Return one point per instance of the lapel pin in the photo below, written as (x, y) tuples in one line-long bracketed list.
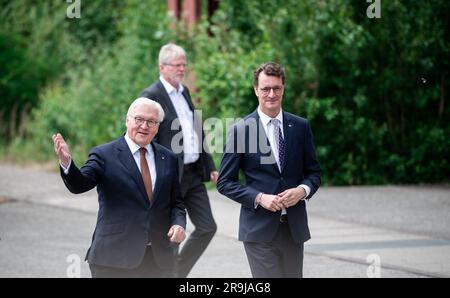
[(163, 157), (290, 125)]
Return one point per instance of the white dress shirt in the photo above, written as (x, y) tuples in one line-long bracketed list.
[(269, 129), (186, 118)]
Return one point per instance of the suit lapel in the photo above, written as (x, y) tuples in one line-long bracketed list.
[(288, 129), (198, 126), (170, 109), (160, 165), (127, 160), (187, 96)]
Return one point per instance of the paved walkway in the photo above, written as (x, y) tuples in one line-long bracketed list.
[(356, 231)]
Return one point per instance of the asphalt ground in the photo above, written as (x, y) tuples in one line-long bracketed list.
[(357, 232)]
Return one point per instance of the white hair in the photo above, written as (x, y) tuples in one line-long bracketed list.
[(169, 52), (148, 102)]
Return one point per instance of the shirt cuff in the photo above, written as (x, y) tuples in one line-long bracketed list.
[(66, 170), (307, 190), (258, 199)]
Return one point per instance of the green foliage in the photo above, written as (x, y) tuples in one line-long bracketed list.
[(37, 44), (374, 90), (89, 106), (388, 76)]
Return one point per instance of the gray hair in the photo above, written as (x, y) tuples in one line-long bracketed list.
[(149, 102), (169, 52)]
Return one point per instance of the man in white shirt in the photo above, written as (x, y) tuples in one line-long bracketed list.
[(182, 132)]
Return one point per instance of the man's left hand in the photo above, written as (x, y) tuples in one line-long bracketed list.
[(292, 196), (214, 175), (176, 234)]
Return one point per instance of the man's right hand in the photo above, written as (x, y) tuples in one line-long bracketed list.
[(62, 150), (271, 202)]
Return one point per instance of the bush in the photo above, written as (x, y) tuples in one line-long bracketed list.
[(374, 90), (89, 106)]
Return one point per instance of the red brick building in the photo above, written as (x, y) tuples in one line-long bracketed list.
[(191, 10)]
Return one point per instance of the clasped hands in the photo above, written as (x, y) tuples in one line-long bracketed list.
[(286, 199)]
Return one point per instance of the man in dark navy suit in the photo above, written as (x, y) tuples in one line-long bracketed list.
[(275, 151), (141, 215)]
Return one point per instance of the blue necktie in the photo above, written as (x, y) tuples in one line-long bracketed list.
[(279, 140)]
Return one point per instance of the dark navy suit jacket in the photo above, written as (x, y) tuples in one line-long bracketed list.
[(126, 220), (248, 149)]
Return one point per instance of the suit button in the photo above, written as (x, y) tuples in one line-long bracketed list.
[(281, 178)]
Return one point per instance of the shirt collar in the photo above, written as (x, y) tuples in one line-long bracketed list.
[(135, 147), (169, 88), (266, 119)]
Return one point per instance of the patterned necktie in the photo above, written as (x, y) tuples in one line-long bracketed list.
[(145, 172), (279, 140)]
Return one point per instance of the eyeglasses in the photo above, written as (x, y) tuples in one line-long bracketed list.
[(150, 123), (266, 90), (177, 65)]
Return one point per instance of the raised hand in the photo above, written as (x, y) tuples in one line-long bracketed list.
[(62, 149)]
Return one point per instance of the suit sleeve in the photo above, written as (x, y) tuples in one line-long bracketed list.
[(87, 177), (178, 211), (228, 182), (207, 158), (311, 166)]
